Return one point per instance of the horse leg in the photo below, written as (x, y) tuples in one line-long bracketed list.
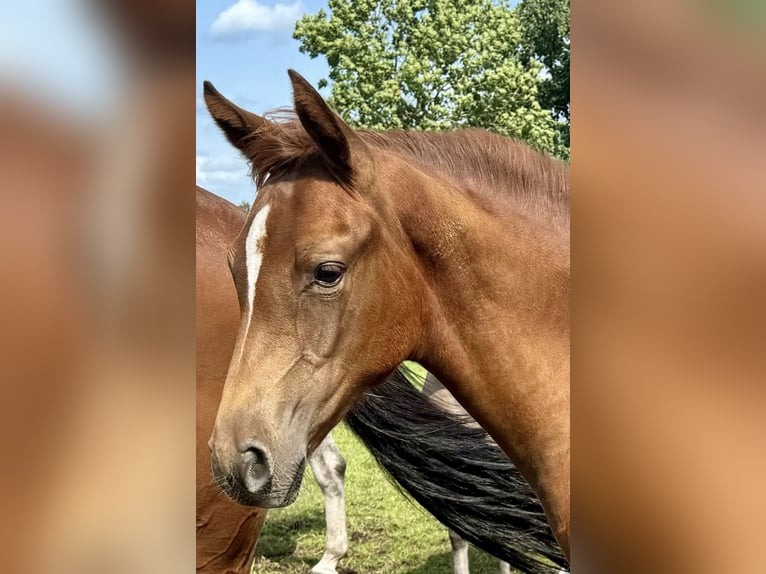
[(505, 568), (329, 469), (459, 553)]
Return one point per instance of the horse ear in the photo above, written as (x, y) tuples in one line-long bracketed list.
[(330, 133), (235, 122)]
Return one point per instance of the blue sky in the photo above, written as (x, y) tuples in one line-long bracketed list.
[(245, 48)]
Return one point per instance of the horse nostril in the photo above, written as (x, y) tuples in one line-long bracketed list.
[(255, 468), (255, 455)]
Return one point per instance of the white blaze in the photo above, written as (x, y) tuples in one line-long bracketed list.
[(254, 252), (256, 237)]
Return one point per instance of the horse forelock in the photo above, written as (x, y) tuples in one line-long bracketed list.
[(274, 150)]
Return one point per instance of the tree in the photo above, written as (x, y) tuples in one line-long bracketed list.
[(431, 64), (244, 206), (545, 32)]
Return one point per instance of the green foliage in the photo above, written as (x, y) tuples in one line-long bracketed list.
[(244, 206), (545, 30), (432, 64)]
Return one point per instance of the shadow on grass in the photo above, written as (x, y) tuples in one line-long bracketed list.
[(279, 539), (276, 548), (480, 563), (436, 564)]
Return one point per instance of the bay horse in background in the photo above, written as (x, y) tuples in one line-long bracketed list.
[(366, 249)]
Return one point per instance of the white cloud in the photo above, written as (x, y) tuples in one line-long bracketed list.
[(221, 170), (201, 175), (249, 15)]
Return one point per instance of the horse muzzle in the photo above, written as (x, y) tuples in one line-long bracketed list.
[(250, 480)]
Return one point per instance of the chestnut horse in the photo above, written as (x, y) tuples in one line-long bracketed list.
[(365, 249), (227, 533)]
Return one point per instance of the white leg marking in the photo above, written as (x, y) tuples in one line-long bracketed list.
[(459, 553), (329, 469)]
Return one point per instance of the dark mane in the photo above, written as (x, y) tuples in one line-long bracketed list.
[(491, 168)]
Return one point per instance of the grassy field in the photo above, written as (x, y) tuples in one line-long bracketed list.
[(387, 533)]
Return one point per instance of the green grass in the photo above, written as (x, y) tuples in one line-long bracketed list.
[(387, 533)]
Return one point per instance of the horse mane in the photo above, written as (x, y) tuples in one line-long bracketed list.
[(497, 171), (494, 170)]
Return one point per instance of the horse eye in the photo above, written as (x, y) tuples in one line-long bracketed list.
[(328, 274)]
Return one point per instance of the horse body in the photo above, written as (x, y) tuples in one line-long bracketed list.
[(364, 250)]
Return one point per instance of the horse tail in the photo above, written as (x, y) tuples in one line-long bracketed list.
[(456, 472)]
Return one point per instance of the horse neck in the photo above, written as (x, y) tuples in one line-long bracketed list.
[(496, 315)]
